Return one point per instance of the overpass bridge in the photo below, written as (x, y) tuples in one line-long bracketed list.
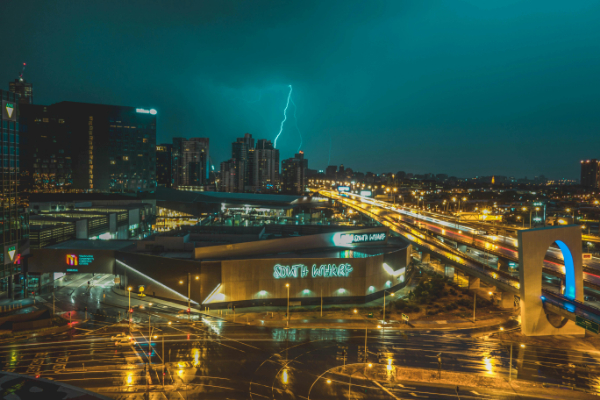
[(475, 238), (559, 309)]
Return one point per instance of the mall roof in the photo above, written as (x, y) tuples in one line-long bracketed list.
[(165, 194), (81, 244)]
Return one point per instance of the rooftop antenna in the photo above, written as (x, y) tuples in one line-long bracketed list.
[(22, 71)]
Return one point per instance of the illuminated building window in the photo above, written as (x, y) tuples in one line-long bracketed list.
[(113, 162), (125, 158)]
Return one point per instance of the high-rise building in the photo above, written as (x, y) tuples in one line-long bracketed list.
[(15, 222), (164, 165), (264, 166), (294, 177), (190, 163), (194, 159), (231, 179), (176, 154), (46, 161), (240, 151), (95, 147), (590, 173), (331, 172), (22, 88)]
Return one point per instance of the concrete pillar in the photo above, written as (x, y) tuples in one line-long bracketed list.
[(449, 271), (474, 283), (503, 265), (462, 247), (506, 300), (425, 258), (26, 284), (533, 245)]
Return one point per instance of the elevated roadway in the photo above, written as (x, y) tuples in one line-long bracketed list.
[(554, 303)]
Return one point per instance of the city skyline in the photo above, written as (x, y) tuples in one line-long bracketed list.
[(483, 98)]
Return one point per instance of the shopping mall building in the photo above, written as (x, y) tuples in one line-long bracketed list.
[(346, 266)]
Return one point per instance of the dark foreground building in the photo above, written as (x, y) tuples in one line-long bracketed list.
[(294, 178), (84, 146), (590, 173), (14, 221)]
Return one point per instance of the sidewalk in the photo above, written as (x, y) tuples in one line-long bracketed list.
[(360, 322), (495, 385)]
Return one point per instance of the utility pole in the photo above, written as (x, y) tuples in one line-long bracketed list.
[(474, 304), (510, 364), (189, 299), (366, 329), (53, 305), (321, 300), (163, 359), (149, 340)]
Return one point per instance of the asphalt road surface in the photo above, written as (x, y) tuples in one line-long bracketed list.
[(214, 359)]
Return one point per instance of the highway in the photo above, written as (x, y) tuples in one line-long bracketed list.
[(458, 232), (215, 359)]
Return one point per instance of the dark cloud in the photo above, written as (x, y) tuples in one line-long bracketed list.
[(466, 88)]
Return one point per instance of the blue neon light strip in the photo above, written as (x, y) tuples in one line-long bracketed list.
[(569, 270)]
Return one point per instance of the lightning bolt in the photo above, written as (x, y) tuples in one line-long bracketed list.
[(284, 116), (296, 120)]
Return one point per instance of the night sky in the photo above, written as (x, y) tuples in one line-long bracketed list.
[(460, 87)]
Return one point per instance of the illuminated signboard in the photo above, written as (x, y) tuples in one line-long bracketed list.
[(151, 111), (9, 111), (302, 271), (366, 193), (343, 189), (73, 259), (344, 239), (10, 254)]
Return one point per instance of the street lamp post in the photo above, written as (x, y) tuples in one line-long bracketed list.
[(287, 285), (384, 305), (510, 362), (129, 309), (189, 297)]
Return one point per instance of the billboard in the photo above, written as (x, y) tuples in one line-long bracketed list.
[(9, 110), (343, 189), (10, 253), (366, 193)]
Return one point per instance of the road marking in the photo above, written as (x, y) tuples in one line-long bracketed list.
[(387, 391)]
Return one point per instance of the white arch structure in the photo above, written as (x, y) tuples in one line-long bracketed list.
[(533, 245)]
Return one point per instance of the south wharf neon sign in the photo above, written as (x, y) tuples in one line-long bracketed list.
[(302, 271)]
